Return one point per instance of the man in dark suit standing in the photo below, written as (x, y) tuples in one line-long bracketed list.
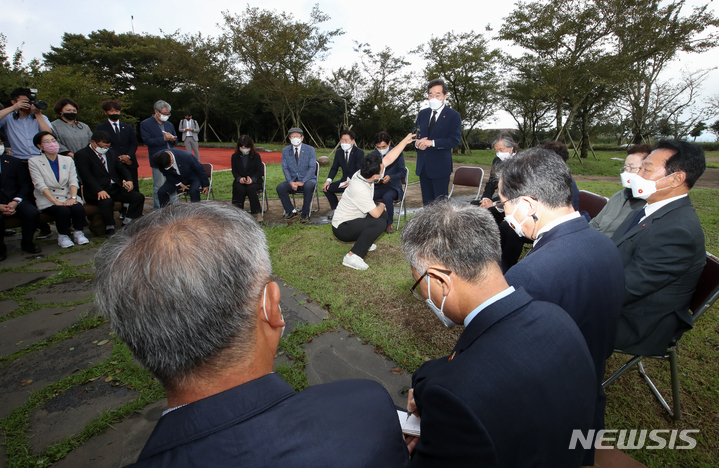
[(159, 135), (16, 201), (106, 180), (662, 248), (182, 172), (570, 264), (124, 138), (440, 131), (349, 158), (520, 380), (299, 164), (208, 328)]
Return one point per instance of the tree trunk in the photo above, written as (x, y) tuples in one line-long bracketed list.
[(585, 135)]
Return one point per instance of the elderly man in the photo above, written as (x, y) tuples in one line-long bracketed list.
[(570, 264), (199, 309), (622, 202), (662, 248), (520, 379), (158, 134), (299, 165)]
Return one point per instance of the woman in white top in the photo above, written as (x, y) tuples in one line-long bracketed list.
[(357, 219), (55, 182)]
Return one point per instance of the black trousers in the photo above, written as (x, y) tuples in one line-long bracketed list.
[(29, 217), (136, 202), (331, 192), (242, 191), (362, 230), (388, 196), (66, 214)]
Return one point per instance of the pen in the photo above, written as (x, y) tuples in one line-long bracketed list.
[(408, 415)]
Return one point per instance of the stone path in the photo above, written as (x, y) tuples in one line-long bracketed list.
[(62, 373)]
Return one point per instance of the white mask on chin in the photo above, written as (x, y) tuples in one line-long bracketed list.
[(514, 224), (438, 311)]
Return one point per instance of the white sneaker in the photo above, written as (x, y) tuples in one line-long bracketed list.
[(80, 238), (64, 241), (354, 261), (372, 247)]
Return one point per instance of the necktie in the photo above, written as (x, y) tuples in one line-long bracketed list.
[(104, 162), (347, 156), (297, 156), (117, 130), (636, 219), (432, 121)]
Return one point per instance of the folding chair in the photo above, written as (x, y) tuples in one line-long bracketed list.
[(263, 203), (470, 177), (208, 170), (400, 202), (316, 195), (705, 295), (591, 202)]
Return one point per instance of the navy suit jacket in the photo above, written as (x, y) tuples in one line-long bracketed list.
[(305, 170), (14, 181), (519, 381), (446, 133), (663, 258), (395, 171), (264, 423), (190, 169), (153, 137), (123, 143), (348, 168), (580, 270), (94, 177)]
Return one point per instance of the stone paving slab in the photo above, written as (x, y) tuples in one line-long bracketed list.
[(79, 258), (307, 309), (70, 411), (34, 371), (337, 356), (45, 266), (120, 444), (13, 279), (69, 290), (7, 306), (21, 332), (85, 271)]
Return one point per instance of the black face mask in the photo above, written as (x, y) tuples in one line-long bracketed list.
[(69, 115), (113, 117)]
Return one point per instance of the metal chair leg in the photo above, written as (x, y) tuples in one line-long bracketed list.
[(633, 361), (674, 369)]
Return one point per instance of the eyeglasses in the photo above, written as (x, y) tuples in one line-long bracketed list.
[(499, 205), (413, 289), (629, 169), (49, 141)]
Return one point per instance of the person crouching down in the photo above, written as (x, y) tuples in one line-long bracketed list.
[(357, 219)]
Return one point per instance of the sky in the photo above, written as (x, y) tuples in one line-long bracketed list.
[(35, 25)]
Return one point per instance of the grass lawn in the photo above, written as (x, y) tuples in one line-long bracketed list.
[(377, 306)]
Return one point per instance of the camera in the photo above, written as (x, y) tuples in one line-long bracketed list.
[(32, 99)]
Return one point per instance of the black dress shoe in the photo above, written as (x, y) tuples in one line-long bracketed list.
[(31, 248), (290, 215)]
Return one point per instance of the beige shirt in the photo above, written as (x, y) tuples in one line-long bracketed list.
[(357, 200)]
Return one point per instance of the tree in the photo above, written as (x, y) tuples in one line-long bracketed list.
[(698, 130), (527, 100), (470, 70), (279, 54)]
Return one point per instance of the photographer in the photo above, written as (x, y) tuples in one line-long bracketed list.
[(22, 121)]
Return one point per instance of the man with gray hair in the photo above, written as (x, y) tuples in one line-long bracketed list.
[(158, 134), (570, 264), (520, 379), (199, 309)]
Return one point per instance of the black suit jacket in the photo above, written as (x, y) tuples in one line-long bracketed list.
[(663, 258), (253, 170), (519, 381), (92, 172), (348, 168), (264, 423), (14, 180), (125, 142)]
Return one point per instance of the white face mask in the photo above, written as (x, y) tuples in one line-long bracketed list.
[(101, 150), (439, 312), (296, 141), (503, 156), (643, 188), (435, 103), (383, 151), (346, 146), (164, 117), (245, 150), (264, 296), (512, 221), (627, 178)]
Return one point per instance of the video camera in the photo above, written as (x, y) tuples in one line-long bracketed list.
[(32, 98)]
